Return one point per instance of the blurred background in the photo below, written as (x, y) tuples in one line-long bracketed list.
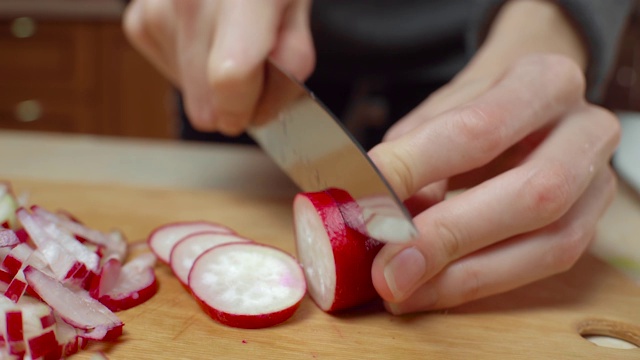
[(66, 66)]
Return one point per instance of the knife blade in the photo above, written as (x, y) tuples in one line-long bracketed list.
[(317, 152)]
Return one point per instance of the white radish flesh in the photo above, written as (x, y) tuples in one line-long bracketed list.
[(185, 251), (162, 239), (76, 307), (247, 285), (8, 238), (335, 253)]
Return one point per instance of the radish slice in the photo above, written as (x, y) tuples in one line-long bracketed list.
[(76, 307), (135, 285), (336, 256), (247, 285), (162, 239), (186, 251)]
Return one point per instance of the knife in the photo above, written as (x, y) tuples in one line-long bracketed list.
[(317, 152)]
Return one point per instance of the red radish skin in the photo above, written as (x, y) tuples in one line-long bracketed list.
[(106, 279), (247, 285), (335, 256), (136, 284), (185, 251), (162, 239)]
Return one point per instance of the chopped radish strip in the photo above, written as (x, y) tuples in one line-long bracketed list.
[(43, 344), (186, 251), (162, 239), (75, 307), (335, 255), (57, 257), (106, 279), (14, 325), (113, 241), (15, 290), (8, 206), (247, 285), (136, 284), (8, 238), (89, 258)]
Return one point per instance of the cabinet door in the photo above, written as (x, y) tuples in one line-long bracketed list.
[(135, 99), (48, 75)]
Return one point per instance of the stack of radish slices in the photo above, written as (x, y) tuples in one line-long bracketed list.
[(236, 281), (241, 283), (62, 282)]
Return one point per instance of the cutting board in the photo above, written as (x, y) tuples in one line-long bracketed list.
[(543, 320)]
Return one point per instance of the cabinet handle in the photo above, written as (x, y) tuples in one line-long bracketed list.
[(23, 27), (28, 111)]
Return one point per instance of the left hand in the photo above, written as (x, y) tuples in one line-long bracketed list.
[(534, 157)]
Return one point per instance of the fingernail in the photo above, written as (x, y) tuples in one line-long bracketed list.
[(392, 308), (404, 271)]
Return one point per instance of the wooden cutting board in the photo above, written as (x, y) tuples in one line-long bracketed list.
[(543, 320)]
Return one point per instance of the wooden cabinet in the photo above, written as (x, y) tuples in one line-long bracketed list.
[(81, 77)]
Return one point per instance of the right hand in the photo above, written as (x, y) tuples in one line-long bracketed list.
[(214, 51)]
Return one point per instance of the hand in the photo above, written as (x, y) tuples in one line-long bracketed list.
[(514, 130), (214, 51), (534, 156)]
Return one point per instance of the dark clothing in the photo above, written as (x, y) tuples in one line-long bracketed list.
[(378, 59)]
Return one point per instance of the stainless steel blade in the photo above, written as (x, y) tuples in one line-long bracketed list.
[(317, 152)]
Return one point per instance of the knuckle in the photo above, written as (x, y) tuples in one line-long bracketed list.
[(449, 239), (484, 132), (570, 247), (133, 23), (549, 191), (226, 75), (471, 283), (561, 72), (609, 127), (396, 165)]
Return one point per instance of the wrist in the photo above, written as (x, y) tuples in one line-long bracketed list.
[(523, 27)]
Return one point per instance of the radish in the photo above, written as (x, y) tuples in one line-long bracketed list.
[(8, 206), (76, 307), (135, 284), (8, 238), (335, 252), (162, 239), (186, 251), (247, 285), (48, 262)]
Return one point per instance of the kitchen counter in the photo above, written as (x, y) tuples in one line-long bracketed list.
[(99, 175), (238, 168)]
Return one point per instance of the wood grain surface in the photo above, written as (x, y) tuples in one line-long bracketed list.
[(540, 321)]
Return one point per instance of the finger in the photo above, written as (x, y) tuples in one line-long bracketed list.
[(472, 135), (150, 28), (235, 70), (445, 99), (518, 261), (426, 197), (294, 51), (195, 32), (525, 198)]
